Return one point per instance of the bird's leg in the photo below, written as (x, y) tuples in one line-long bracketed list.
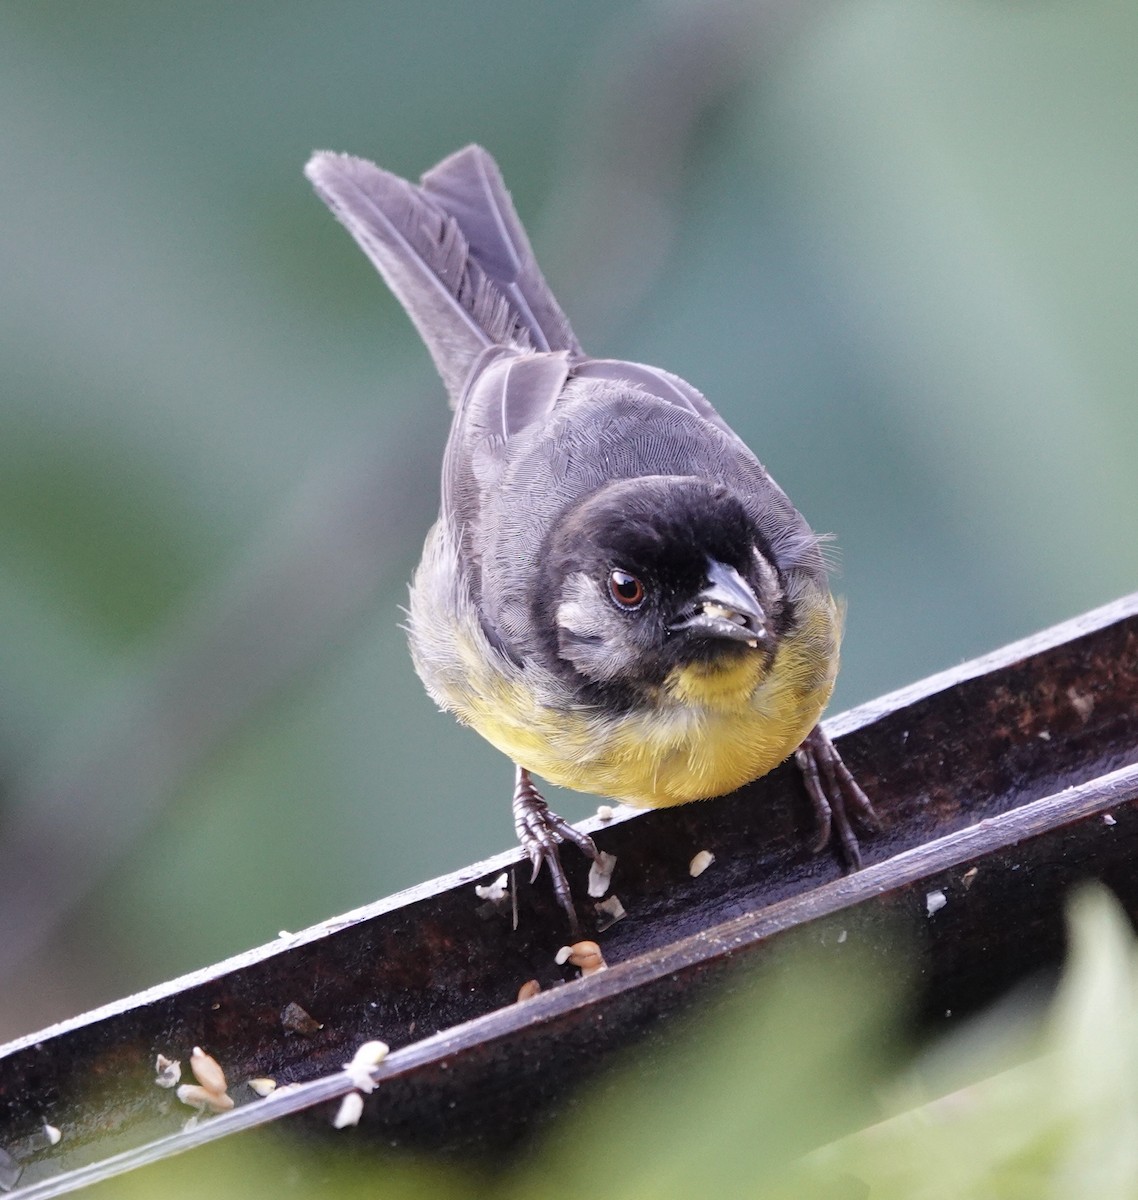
[(540, 832), (834, 795)]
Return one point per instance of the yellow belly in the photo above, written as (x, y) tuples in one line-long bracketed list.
[(712, 728)]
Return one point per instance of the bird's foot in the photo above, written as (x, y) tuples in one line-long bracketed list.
[(540, 832), (834, 796)]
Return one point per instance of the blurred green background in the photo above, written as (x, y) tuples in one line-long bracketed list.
[(891, 240)]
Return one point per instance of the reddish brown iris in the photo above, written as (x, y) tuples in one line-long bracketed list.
[(626, 589)]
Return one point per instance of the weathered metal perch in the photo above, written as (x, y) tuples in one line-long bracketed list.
[(1000, 783)]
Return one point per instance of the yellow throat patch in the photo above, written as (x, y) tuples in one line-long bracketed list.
[(716, 685)]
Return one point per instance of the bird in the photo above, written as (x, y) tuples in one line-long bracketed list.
[(616, 594)]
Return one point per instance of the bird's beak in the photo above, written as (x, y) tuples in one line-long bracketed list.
[(726, 608)]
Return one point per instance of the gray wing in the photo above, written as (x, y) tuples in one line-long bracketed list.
[(512, 395)]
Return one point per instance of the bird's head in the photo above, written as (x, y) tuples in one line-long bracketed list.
[(661, 582)]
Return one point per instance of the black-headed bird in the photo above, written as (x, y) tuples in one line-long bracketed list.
[(616, 593)]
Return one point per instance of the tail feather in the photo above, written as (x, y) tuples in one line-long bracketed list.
[(421, 252), (454, 253), (469, 186)]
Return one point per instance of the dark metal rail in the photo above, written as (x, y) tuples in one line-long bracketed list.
[(1000, 783)]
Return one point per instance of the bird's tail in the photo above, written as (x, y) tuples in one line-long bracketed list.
[(454, 253)]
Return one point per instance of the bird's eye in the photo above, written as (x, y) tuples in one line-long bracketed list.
[(626, 590)]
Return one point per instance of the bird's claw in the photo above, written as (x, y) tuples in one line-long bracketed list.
[(541, 831), (834, 796)]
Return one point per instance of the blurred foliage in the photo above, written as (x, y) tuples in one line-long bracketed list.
[(1060, 1125), (892, 241), (750, 1100)]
